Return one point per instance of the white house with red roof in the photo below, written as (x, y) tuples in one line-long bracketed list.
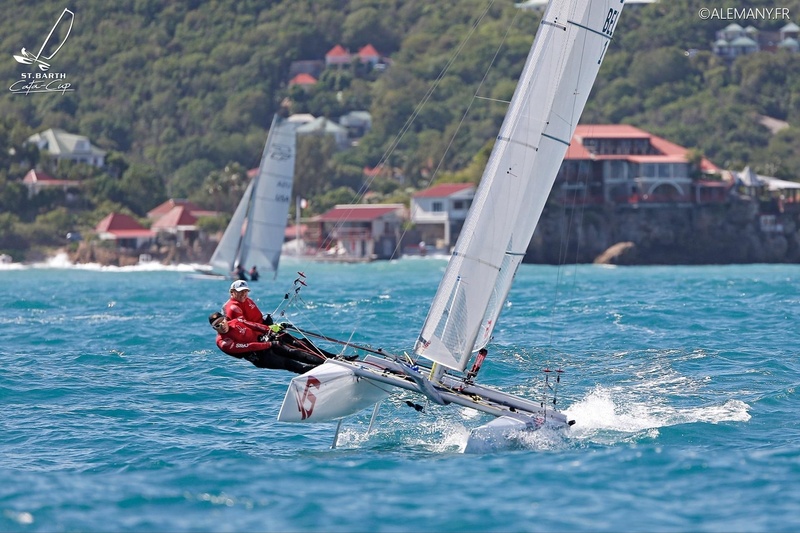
[(624, 164), (368, 55), (438, 212), (359, 231), (337, 56), (180, 223), (314, 67), (36, 181), (303, 80), (167, 206), (125, 230)]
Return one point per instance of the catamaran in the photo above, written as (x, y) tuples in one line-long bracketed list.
[(563, 62), (256, 231)]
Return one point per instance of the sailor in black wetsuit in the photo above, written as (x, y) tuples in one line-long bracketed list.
[(264, 346)]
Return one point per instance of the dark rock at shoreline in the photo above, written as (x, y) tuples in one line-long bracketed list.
[(622, 253)]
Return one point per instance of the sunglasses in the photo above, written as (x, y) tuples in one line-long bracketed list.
[(218, 325)]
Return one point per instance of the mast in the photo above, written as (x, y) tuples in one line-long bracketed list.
[(297, 225), (547, 103)]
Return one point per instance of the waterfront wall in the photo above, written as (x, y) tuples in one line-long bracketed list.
[(735, 232)]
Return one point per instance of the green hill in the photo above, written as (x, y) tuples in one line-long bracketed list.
[(181, 94)]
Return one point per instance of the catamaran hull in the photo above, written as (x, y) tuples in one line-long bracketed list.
[(337, 389), (328, 392), (500, 434)]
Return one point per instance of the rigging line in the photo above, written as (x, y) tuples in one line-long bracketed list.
[(469, 106), (399, 137), (396, 141), (308, 333), (564, 245), (573, 218), (588, 173), (288, 301), (562, 257), (474, 97), (564, 248)]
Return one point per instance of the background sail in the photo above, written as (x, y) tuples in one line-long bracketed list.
[(256, 232), (550, 96), (272, 195)]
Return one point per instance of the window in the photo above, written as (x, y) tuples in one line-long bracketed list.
[(458, 204), (664, 171), (616, 169), (437, 207)]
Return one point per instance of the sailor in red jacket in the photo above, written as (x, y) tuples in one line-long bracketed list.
[(241, 306), (243, 339)]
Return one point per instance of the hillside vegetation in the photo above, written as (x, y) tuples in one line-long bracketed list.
[(181, 95)]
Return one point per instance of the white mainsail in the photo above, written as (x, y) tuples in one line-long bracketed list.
[(255, 234), (544, 111)]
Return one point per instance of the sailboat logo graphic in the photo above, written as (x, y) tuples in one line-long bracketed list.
[(52, 44)]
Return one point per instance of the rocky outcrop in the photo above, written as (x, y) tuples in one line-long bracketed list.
[(105, 253), (735, 232), (622, 253)]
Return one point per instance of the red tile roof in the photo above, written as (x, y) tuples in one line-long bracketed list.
[(161, 210), (670, 152), (170, 204), (337, 51), (291, 231), (357, 213), (118, 222), (443, 190), (577, 151), (178, 216), (303, 79), (36, 176), (375, 171), (368, 51), (122, 227)]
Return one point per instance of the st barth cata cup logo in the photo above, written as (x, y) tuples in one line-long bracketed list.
[(52, 44), (42, 80)]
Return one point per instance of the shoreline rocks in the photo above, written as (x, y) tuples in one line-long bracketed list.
[(734, 233)]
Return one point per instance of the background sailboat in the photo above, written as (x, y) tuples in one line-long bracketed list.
[(255, 233), (550, 96)]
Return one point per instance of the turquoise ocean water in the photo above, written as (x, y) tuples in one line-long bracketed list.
[(117, 412)]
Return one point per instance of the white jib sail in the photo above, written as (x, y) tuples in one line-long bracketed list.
[(544, 111), (255, 234), (227, 251)]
